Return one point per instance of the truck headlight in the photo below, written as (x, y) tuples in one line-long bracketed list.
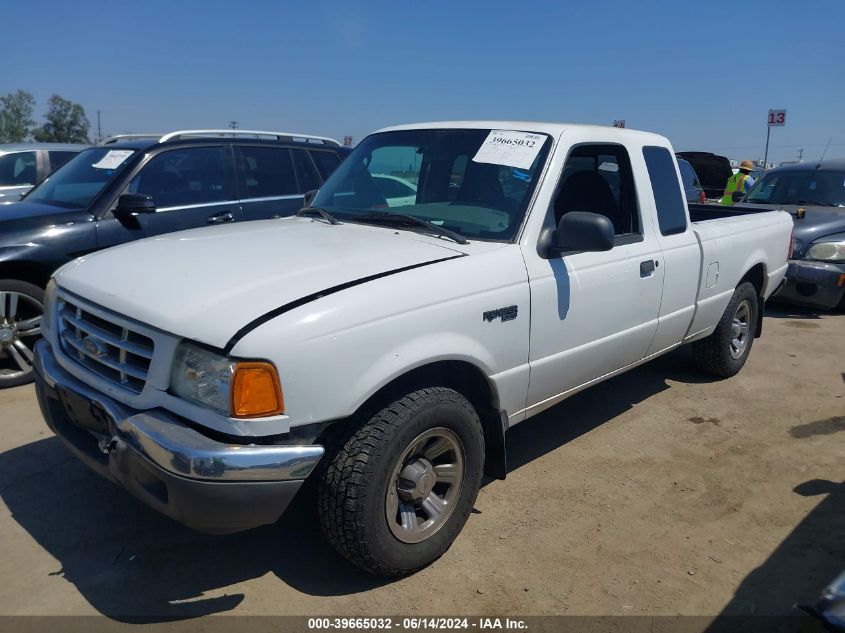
[(241, 389), (827, 251)]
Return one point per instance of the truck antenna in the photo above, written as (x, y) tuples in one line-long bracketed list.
[(818, 166)]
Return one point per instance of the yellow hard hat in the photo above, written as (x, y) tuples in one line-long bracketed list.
[(746, 164)]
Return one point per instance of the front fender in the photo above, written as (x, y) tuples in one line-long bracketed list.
[(418, 352), (336, 352)]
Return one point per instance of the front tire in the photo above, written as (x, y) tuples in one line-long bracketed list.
[(21, 306), (725, 351), (395, 496)]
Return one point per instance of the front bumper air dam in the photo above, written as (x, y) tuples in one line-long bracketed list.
[(210, 486)]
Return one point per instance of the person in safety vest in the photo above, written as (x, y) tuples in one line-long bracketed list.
[(740, 181)]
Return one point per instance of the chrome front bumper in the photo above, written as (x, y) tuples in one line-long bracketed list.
[(209, 485)]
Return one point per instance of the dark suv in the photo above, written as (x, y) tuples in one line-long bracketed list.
[(128, 190)]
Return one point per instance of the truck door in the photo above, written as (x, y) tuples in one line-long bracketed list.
[(681, 251), (191, 187), (594, 312)]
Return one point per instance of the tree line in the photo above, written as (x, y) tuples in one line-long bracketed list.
[(64, 121)]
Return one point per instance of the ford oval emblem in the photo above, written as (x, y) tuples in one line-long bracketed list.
[(94, 347)]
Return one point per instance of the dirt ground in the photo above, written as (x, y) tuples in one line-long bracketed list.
[(658, 492)]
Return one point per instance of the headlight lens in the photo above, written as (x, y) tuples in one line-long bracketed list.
[(827, 251), (202, 377), (242, 389)]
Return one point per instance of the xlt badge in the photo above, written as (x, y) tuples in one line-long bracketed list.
[(505, 314)]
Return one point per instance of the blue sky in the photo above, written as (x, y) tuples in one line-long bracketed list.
[(703, 73)]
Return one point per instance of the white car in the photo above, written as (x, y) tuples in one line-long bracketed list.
[(22, 165), (397, 191), (211, 372)]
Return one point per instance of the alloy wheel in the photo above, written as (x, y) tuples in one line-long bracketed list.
[(20, 327)]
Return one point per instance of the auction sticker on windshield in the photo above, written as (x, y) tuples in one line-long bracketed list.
[(510, 148), (113, 159)]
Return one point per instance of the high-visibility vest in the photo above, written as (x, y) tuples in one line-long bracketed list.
[(735, 182)]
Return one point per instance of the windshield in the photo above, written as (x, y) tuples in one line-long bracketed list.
[(474, 182), (76, 183), (807, 186)]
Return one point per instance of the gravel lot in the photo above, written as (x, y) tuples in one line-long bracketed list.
[(658, 492)]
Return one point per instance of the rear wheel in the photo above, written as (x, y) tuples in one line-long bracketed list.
[(396, 495), (725, 351), (21, 306)]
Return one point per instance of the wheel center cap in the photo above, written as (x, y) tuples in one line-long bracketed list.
[(416, 480), (426, 483), (6, 334)]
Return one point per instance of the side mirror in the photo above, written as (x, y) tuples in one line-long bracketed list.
[(737, 196), (309, 198), (131, 204), (580, 231)]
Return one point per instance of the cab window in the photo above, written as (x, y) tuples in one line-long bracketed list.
[(671, 210), (599, 179)]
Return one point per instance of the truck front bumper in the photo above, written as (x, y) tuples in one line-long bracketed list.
[(210, 486), (813, 283)]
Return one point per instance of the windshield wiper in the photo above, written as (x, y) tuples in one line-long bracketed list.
[(403, 219), (328, 217)]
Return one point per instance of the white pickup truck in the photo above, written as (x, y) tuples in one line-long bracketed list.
[(383, 349)]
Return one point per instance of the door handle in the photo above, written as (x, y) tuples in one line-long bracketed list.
[(221, 218), (647, 267)]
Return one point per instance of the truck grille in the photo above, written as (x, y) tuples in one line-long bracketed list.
[(109, 350)]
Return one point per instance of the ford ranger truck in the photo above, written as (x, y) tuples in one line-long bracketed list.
[(382, 348)]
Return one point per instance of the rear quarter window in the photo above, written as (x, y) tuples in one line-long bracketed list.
[(671, 213)]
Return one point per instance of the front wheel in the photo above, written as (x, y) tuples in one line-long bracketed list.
[(21, 305), (396, 495), (725, 351)]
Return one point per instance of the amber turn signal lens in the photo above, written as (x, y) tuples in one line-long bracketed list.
[(256, 391)]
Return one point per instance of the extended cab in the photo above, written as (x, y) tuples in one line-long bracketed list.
[(384, 349)]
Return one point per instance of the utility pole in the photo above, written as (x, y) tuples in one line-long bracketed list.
[(233, 125), (800, 154), (99, 129), (766, 155)]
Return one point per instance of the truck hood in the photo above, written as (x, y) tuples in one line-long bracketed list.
[(207, 284)]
